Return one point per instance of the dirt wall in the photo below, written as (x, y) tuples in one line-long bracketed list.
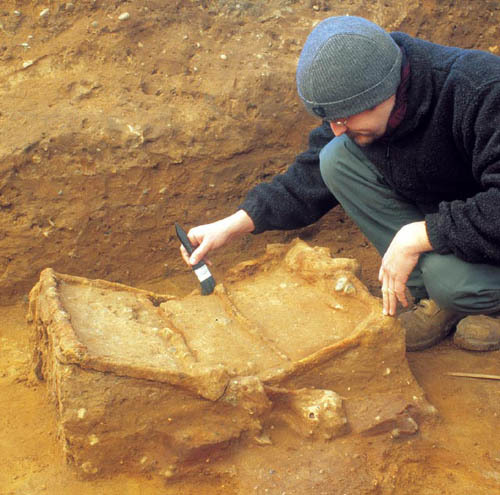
[(119, 118)]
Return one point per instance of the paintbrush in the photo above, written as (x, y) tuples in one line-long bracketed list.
[(201, 270)]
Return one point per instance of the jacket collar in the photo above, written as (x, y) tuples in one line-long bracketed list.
[(419, 90)]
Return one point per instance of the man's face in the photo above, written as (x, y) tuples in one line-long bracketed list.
[(365, 127)]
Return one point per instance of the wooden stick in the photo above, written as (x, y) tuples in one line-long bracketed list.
[(475, 375)]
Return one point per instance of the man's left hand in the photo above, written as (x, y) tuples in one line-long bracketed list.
[(399, 261)]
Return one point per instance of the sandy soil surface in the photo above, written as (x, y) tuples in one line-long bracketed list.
[(114, 129)]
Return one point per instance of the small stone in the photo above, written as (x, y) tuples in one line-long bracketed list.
[(27, 64), (81, 413), (387, 372), (123, 17), (169, 472), (88, 468), (340, 284), (430, 409), (17, 12), (94, 24), (349, 289), (44, 12), (25, 45), (223, 56), (93, 439), (263, 439), (396, 433)]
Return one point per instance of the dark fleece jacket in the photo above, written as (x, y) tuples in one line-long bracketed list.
[(444, 157)]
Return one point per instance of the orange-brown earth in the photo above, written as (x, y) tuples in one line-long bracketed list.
[(114, 129)]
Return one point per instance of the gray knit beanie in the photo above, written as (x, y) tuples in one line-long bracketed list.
[(347, 65)]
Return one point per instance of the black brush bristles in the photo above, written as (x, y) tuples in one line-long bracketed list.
[(207, 281)]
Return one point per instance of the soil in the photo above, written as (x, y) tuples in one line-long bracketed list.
[(457, 454), (114, 129)]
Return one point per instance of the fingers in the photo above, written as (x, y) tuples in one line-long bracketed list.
[(389, 298), (393, 290), (205, 238), (398, 262), (185, 255), (201, 244), (199, 254), (401, 295), (196, 256)]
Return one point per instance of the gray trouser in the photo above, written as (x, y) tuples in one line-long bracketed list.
[(380, 212)]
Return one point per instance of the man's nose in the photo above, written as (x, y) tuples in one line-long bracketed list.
[(338, 129)]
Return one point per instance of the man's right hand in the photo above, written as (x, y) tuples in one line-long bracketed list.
[(206, 238)]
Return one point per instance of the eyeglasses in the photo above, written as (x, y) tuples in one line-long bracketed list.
[(342, 122)]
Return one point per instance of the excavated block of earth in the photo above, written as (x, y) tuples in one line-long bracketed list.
[(154, 383)]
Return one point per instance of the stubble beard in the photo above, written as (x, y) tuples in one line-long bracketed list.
[(363, 139)]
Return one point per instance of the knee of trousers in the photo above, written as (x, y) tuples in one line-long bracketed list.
[(334, 160), (462, 290)]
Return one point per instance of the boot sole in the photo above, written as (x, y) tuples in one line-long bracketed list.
[(476, 345), (422, 345)]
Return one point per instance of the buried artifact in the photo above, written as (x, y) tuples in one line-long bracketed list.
[(154, 383)]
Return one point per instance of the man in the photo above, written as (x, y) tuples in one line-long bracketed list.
[(410, 147)]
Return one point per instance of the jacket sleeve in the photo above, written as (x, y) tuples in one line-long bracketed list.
[(470, 229), (296, 198)]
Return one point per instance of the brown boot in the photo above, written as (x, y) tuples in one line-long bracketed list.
[(478, 333), (426, 324)]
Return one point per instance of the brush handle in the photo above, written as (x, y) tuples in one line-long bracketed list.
[(181, 234), (201, 270)]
